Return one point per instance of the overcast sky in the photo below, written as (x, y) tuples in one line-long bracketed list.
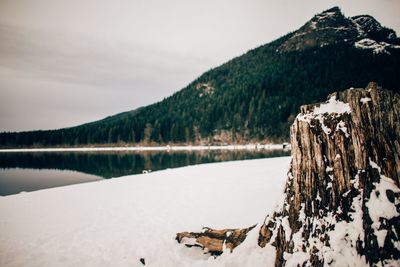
[(67, 62)]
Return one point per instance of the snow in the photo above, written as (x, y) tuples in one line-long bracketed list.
[(153, 148), (342, 127), (346, 193), (341, 251), (325, 128), (374, 165), (377, 47), (325, 15), (116, 222), (380, 237), (343, 239), (292, 260), (286, 227), (343, 235), (205, 89), (329, 185), (332, 106), (313, 25), (379, 205), (365, 100)]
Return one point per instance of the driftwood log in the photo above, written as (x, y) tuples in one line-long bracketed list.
[(214, 241)]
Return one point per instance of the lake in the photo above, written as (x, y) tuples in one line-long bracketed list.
[(30, 171)]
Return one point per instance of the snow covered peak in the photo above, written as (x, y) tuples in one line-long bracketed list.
[(332, 27)]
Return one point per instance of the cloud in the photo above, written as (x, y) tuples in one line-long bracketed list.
[(52, 77), (66, 62)]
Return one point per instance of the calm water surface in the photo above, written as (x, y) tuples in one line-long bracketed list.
[(39, 170)]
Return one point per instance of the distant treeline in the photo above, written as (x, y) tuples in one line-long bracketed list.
[(253, 97)]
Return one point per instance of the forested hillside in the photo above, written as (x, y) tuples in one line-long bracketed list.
[(253, 97)]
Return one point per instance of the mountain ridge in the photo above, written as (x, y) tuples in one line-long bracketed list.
[(331, 26), (253, 97)]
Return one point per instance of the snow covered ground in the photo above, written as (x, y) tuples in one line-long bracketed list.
[(116, 222)]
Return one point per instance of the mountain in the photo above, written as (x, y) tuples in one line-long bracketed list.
[(253, 97)]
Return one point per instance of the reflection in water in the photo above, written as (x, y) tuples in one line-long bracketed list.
[(13, 181), (115, 164), (103, 165)]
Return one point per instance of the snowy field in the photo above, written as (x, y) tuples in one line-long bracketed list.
[(116, 222)]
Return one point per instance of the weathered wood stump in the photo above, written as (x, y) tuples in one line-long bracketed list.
[(342, 195)]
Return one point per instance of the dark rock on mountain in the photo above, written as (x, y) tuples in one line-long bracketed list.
[(332, 27), (369, 27)]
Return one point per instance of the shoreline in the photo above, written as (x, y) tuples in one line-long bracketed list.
[(283, 146)]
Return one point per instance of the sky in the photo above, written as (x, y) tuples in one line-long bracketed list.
[(67, 62)]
